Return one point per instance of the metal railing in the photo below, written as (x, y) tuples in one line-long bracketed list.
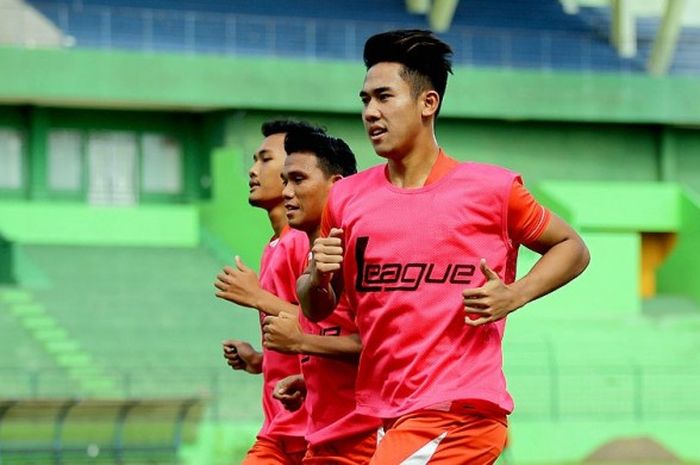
[(554, 392), (152, 30)]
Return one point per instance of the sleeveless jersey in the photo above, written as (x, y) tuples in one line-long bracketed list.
[(330, 383), (282, 263), (408, 255)]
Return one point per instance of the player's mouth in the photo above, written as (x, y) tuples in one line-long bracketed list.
[(376, 133), (290, 209), (252, 185)]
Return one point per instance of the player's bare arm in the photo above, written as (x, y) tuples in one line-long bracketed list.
[(240, 285), (240, 355), (291, 391), (564, 256), (317, 288), (284, 334)]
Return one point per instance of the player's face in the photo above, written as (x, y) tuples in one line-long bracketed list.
[(306, 191), (264, 176), (391, 114)]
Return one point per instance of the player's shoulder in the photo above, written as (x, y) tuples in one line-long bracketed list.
[(355, 183), (295, 239), (487, 169), (294, 245)]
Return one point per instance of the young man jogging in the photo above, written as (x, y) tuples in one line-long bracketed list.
[(424, 249), (281, 438), (337, 434)]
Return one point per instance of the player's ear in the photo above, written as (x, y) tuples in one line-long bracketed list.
[(335, 177), (431, 102)]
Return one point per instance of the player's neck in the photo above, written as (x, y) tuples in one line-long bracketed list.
[(412, 169), (278, 218)]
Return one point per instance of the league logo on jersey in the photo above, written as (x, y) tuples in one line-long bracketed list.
[(376, 277)]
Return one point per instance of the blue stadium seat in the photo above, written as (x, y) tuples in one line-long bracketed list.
[(508, 33)]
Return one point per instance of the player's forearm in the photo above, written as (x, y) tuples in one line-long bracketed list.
[(317, 301), (270, 304), (557, 266), (332, 346)]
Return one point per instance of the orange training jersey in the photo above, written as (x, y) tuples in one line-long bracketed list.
[(282, 263)]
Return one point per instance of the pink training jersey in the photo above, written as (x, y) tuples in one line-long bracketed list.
[(282, 262), (330, 383), (409, 254)]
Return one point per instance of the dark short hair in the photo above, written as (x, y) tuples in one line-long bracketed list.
[(426, 59), (283, 126), (333, 154)]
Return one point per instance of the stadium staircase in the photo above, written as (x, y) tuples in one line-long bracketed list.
[(122, 322)]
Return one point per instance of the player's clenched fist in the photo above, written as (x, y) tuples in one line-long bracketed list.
[(283, 333), (326, 257), (240, 355), (291, 391)]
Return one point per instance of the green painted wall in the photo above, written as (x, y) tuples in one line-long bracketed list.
[(594, 293), (686, 157), (619, 206), (540, 151), (679, 273), (242, 229), (79, 224), (145, 80)]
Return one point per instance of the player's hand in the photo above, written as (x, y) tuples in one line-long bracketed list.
[(490, 302), (239, 285), (291, 391), (240, 355), (326, 257), (283, 333)]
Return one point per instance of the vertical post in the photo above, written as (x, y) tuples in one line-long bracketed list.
[(666, 38), (119, 429), (441, 14), (4, 408), (58, 429), (180, 422), (624, 29)]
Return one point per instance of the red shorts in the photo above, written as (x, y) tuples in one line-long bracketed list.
[(355, 450), (287, 451), (461, 436)]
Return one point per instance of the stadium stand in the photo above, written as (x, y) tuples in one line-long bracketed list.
[(124, 322), (507, 33), (101, 311)]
